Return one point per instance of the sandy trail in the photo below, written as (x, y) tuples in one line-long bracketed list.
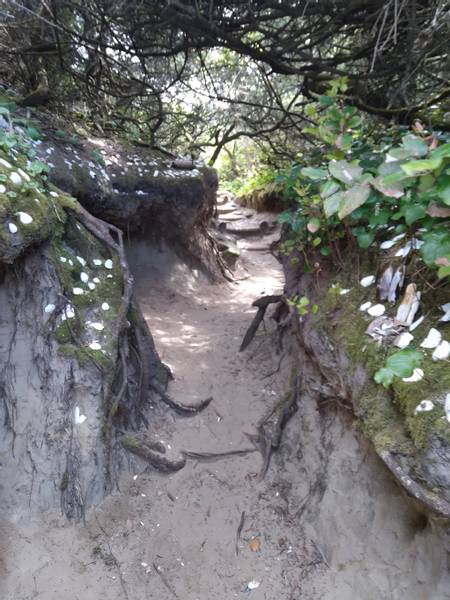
[(326, 523)]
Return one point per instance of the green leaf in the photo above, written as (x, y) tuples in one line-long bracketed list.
[(352, 199), (313, 225), (414, 212), (314, 173), (443, 272), (436, 244), (441, 151), (443, 189), (344, 171), (326, 101), (403, 363), (332, 203), (34, 133), (365, 239), (384, 376), (418, 167), (415, 145), (329, 188), (393, 190)]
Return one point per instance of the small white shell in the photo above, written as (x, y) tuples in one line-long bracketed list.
[(96, 280), (442, 352), (447, 407), (79, 418), (97, 326), (377, 310), (424, 406), (105, 306), (77, 291), (253, 584), (365, 306), (416, 323), (387, 244), (91, 285), (403, 340), (95, 346), (366, 281), (63, 259), (84, 277), (81, 261), (54, 194), (97, 262), (2, 189), (24, 175), (108, 263), (15, 178), (432, 340), (49, 308), (5, 163), (25, 218), (344, 292), (12, 227), (416, 376)]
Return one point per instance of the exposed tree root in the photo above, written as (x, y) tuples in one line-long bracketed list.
[(271, 427), (179, 406), (261, 304)]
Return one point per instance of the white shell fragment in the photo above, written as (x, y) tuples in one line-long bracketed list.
[(24, 175), (97, 262), (81, 261), (365, 306), (403, 340), (15, 178), (91, 285), (84, 277), (63, 259), (79, 418), (447, 407), (49, 308), (417, 323), (366, 281), (5, 163), (25, 218), (68, 313), (424, 406), (12, 227), (442, 352), (54, 194), (253, 584), (416, 376), (105, 306), (96, 280), (2, 189), (344, 292), (97, 326), (95, 346), (446, 309), (78, 291), (108, 263), (377, 310), (432, 340), (387, 244)]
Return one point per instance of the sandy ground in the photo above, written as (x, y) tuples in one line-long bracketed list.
[(326, 523)]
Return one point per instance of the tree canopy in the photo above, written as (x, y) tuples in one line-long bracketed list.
[(197, 75)]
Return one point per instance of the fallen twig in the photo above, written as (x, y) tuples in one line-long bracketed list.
[(239, 531), (262, 304)]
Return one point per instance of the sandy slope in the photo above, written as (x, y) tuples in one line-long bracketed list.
[(330, 523)]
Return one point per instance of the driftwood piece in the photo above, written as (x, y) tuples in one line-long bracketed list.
[(262, 304)]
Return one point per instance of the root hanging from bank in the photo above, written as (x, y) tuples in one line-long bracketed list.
[(262, 304)]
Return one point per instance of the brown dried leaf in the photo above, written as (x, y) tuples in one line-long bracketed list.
[(255, 545), (436, 210)]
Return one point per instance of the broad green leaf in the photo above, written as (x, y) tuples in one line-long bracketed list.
[(403, 363), (384, 376), (381, 217), (313, 225), (418, 167), (443, 189), (443, 272), (393, 190), (426, 182), (34, 133), (329, 188), (441, 151), (326, 101), (354, 121), (437, 243), (415, 145), (352, 199), (413, 213), (332, 203), (401, 153), (314, 173), (365, 239), (344, 171)]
